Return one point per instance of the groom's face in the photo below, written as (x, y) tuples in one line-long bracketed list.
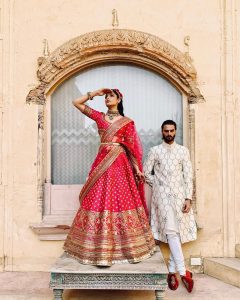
[(169, 133)]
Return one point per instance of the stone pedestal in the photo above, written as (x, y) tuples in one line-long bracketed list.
[(150, 274)]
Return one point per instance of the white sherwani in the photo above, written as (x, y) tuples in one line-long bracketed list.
[(171, 185)]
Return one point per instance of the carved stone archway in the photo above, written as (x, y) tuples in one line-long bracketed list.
[(106, 46), (116, 45)]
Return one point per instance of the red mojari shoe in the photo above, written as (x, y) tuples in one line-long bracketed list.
[(188, 281), (172, 281)]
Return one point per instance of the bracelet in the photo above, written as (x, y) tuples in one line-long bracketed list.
[(89, 96)]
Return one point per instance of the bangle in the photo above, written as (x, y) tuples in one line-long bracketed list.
[(89, 96)]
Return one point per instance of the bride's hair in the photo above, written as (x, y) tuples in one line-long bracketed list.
[(120, 104)]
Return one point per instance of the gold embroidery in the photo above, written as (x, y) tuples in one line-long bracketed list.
[(106, 237), (87, 110), (113, 128), (99, 170), (133, 160)]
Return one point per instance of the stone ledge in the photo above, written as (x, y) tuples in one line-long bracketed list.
[(225, 269), (50, 232), (237, 250)]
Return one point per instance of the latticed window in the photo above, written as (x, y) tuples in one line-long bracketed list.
[(149, 99)]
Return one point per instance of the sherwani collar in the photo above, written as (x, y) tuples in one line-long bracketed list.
[(169, 146)]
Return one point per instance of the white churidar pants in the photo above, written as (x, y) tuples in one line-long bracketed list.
[(176, 260)]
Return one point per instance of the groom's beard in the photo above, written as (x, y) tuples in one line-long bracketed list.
[(168, 138)]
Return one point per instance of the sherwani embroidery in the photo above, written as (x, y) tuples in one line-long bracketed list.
[(171, 185)]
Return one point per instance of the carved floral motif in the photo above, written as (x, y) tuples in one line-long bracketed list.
[(109, 281), (129, 45)]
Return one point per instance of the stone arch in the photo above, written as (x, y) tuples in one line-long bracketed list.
[(116, 45), (106, 46)]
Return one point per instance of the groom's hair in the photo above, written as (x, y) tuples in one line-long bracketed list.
[(169, 122)]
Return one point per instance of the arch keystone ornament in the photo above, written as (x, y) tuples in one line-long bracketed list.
[(111, 46)]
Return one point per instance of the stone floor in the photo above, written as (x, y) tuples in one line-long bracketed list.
[(34, 286)]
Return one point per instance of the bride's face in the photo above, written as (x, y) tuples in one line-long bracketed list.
[(111, 99)]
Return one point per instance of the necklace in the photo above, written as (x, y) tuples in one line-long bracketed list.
[(112, 114)]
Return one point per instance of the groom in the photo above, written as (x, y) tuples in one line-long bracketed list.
[(168, 170)]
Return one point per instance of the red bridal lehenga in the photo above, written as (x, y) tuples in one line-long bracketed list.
[(111, 225)]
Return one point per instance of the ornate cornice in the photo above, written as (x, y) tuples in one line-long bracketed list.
[(116, 45), (37, 95)]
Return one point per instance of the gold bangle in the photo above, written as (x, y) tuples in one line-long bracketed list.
[(89, 96)]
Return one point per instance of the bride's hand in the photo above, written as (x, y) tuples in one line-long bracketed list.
[(140, 176), (102, 92)]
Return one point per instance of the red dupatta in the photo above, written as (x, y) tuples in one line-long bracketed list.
[(133, 145), (130, 140)]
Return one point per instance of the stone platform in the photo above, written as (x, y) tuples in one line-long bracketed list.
[(150, 274)]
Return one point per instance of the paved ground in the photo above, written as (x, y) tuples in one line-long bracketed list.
[(34, 286)]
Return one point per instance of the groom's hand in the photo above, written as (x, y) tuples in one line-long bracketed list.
[(187, 206)]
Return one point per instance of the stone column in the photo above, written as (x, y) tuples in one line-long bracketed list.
[(160, 295), (228, 123), (237, 124), (6, 137), (58, 294)]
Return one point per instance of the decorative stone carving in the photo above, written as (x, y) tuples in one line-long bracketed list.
[(58, 294), (191, 115), (109, 281), (160, 295), (115, 22), (149, 274), (46, 51), (37, 95), (116, 45), (186, 43), (40, 158), (40, 119)]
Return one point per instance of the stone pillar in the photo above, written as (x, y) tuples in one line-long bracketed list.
[(1, 140), (58, 294), (160, 295), (237, 125), (229, 133), (6, 116)]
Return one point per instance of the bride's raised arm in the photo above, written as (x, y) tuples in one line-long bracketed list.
[(79, 102)]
